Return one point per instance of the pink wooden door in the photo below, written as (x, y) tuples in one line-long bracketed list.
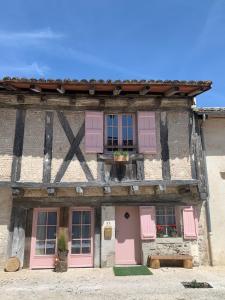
[(81, 237), (43, 241), (127, 235)]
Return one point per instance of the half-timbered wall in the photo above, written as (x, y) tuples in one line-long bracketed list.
[(44, 138)]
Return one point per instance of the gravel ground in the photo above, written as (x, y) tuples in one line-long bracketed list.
[(165, 283)]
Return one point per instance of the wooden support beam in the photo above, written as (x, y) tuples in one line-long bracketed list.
[(79, 190), (172, 91), (44, 98), (28, 236), (195, 92), (117, 91), (47, 162), (144, 90), (107, 190), (18, 145), (35, 88), (164, 146), (72, 101), (17, 233), (51, 191), (97, 237), (92, 91), (61, 89)]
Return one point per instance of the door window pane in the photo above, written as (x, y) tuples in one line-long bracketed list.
[(42, 217), (40, 248), (51, 232), (76, 232), (86, 217), (50, 247), (86, 231), (76, 245), (86, 246), (76, 217), (52, 216), (41, 233)]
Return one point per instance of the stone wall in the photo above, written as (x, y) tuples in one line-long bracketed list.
[(108, 246), (5, 213), (172, 246)]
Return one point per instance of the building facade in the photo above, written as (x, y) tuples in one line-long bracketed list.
[(213, 127), (61, 143)]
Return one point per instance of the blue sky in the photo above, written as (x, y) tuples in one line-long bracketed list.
[(116, 39)]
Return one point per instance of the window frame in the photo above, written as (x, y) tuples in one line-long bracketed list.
[(166, 225), (120, 132)]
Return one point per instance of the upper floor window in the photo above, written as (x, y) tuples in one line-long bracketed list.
[(120, 132)]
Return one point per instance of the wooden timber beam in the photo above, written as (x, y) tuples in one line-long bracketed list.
[(20, 99), (92, 90), (79, 190), (144, 91), (60, 89), (47, 162), (107, 190), (195, 92), (35, 88), (51, 191), (172, 91), (9, 87), (117, 91)]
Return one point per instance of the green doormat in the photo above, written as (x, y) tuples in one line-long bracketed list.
[(131, 271)]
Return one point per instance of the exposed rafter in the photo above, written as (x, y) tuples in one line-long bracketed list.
[(60, 89), (117, 91), (172, 91), (144, 91), (10, 87), (35, 88), (195, 92)]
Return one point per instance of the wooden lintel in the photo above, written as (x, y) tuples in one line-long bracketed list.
[(144, 91), (43, 98), (195, 92), (60, 89), (35, 88), (117, 91), (172, 91), (17, 192), (72, 101), (134, 189), (92, 91), (20, 99)]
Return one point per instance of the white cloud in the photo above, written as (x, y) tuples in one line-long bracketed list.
[(28, 36), (33, 69)]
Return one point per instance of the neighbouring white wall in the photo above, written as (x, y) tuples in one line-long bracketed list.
[(214, 133)]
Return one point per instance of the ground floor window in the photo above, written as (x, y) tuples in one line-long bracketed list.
[(166, 223)]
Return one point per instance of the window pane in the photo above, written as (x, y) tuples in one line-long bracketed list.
[(129, 120), (52, 218), (76, 232), (86, 231), (50, 247), (170, 210), (160, 220), (171, 220), (86, 217), (75, 247), (86, 246), (109, 132), (109, 120), (76, 219), (42, 216), (124, 120), (115, 120), (130, 136), (41, 232), (40, 248), (51, 232)]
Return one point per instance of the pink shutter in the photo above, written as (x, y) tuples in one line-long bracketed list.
[(146, 132), (94, 132), (147, 222), (190, 223)]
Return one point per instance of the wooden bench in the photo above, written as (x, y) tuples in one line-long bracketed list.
[(154, 260)]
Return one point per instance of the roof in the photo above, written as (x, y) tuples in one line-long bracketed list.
[(109, 87)]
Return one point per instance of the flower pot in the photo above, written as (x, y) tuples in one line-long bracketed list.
[(121, 158), (62, 255)]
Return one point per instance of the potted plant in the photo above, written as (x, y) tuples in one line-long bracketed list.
[(160, 232), (173, 231), (120, 156), (62, 253)]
